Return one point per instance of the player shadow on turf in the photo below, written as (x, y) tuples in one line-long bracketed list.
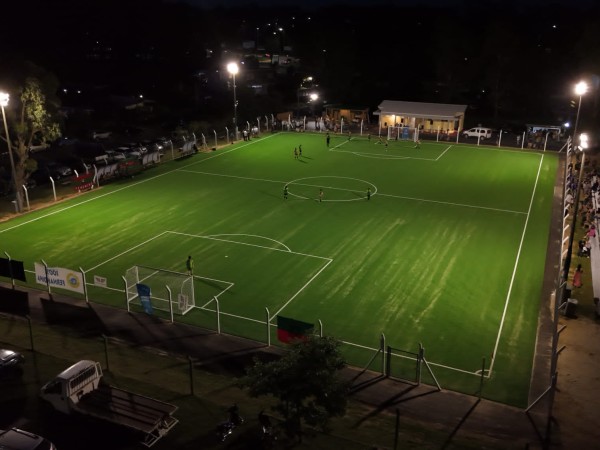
[(302, 160)]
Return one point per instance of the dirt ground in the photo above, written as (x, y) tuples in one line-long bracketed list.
[(577, 400)]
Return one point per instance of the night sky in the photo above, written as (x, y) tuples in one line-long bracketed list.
[(510, 61)]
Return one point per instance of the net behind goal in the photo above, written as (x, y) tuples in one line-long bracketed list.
[(401, 133), (181, 286)]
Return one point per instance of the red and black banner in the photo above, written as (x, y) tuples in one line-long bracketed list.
[(289, 330), (84, 182)]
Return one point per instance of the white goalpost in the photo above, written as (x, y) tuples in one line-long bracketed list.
[(169, 290), (398, 133)]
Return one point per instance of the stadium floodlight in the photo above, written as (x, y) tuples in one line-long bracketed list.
[(233, 69), (580, 89), (4, 102)]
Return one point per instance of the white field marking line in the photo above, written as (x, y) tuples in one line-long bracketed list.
[(381, 155), (224, 152), (329, 261), (354, 190), (443, 153), (231, 176), (126, 187), (525, 151), (339, 145), (219, 294), (283, 182), (232, 315), (463, 205), (514, 273), (253, 235), (126, 251), (302, 288), (250, 245)]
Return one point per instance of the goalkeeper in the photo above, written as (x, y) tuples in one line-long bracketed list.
[(189, 265)]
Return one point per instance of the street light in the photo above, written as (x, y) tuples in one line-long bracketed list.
[(233, 69), (4, 102), (580, 89)]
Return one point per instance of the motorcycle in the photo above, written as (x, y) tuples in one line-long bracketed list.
[(224, 429), (268, 433)]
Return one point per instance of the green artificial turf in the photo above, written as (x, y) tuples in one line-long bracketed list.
[(449, 251)]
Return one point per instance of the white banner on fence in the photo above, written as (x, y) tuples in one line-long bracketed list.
[(59, 277)]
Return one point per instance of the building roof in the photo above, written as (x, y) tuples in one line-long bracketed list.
[(419, 109)]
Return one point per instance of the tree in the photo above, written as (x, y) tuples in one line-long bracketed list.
[(31, 119), (306, 382)]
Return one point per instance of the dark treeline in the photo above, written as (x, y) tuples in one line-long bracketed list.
[(507, 61)]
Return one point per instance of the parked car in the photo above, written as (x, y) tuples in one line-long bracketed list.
[(15, 439), (478, 132), (120, 153), (101, 134), (11, 362), (58, 171)]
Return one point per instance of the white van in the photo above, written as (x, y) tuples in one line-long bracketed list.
[(478, 132)]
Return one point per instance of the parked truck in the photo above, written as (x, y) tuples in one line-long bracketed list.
[(79, 389)]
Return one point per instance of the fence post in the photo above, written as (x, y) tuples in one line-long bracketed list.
[(218, 316), (126, 293), (191, 371), (382, 348), (170, 302), (12, 280), (481, 378), (419, 363), (30, 334), (268, 327), (47, 279), (106, 352), (397, 431), (85, 291), (388, 361)]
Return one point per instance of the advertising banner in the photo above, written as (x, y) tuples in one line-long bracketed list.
[(145, 293), (59, 277)]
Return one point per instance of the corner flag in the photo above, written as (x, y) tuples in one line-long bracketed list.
[(289, 330)]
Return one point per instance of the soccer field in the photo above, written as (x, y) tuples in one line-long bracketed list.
[(449, 250)]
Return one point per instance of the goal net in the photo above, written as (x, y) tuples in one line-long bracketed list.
[(181, 286), (401, 133)]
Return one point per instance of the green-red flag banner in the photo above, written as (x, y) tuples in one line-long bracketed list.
[(289, 330)]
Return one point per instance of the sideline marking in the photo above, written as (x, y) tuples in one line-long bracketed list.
[(66, 208), (512, 279)]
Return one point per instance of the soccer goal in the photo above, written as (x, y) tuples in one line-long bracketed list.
[(401, 133), (181, 288)]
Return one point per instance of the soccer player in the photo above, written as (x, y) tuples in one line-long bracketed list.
[(320, 195), (368, 193), (295, 153), (328, 138), (417, 144), (285, 192), (189, 265), (300, 151)]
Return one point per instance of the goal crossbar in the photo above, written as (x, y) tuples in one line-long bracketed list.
[(180, 292)]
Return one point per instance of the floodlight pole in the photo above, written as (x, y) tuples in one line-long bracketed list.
[(3, 102)]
